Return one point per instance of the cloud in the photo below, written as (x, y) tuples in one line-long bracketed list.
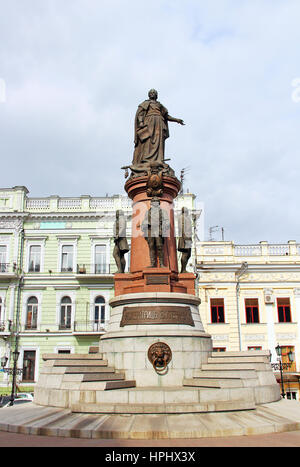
[(76, 70)]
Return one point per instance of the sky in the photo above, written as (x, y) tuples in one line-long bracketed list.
[(72, 73)]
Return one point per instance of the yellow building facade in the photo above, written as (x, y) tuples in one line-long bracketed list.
[(250, 298)]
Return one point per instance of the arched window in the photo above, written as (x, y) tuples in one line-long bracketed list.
[(32, 312), (99, 310), (65, 313)]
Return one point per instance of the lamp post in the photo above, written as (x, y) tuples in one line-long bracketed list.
[(16, 354), (282, 366), (279, 354)]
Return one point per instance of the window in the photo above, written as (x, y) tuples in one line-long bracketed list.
[(29, 365), (99, 311), (65, 313), (255, 348), (32, 312), (219, 349), (217, 310), (64, 351), (100, 259), (3, 265), (252, 314), (291, 395), (284, 310), (67, 258), (34, 258)]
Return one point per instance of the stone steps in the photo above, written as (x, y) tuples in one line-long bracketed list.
[(164, 400), (242, 354), (225, 373), (237, 371), (78, 373), (72, 356), (213, 383), (81, 363), (215, 406), (235, 366), (237, 360), (103, 376), (86, 369)]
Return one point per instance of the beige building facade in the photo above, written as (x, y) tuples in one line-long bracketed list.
[(251, 300)]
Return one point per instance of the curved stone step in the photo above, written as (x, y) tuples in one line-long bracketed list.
[(242, 354), (211, 373), (212, 406), (103, 377), (80, 363), (237, 360), (72, 356), (235, 366), (87, 369), (213, 382)]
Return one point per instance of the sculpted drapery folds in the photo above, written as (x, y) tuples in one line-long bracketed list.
[(151, 131)]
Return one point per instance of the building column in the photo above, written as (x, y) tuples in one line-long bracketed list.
[(297, 318), (270, 326)]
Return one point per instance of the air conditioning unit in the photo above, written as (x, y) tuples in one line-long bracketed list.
[(269, 297)]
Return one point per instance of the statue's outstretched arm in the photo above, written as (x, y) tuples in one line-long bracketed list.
[(177, 120)]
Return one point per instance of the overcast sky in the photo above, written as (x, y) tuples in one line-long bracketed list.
[(75, 71)]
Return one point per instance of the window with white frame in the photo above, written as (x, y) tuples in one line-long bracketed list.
[(34, 263), (99, 310), (100, 259), (65, 313), (31, 313), (3, 258), (67, 258)]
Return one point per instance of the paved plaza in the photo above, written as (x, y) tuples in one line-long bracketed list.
[(287, 439)]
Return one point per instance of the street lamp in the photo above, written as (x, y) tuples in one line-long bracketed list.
[(291, 357), (16, 354), (4, 361), (279, 354)]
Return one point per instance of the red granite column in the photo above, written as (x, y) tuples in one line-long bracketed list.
[(142, 277), (137, 191)]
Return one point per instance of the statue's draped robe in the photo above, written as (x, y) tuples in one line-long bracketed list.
[(151, 131)]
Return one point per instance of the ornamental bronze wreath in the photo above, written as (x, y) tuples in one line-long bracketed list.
[(160, 355)]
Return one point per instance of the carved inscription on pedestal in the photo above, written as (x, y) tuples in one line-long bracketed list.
[(157, 315), (157, 280)]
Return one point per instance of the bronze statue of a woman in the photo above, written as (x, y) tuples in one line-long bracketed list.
[(151, 131)]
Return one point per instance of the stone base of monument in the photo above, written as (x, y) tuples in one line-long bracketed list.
[(127, 377), (161, 319), (155, 360)]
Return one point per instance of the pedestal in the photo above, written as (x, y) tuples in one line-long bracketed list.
[(139, 320), (142, 277)]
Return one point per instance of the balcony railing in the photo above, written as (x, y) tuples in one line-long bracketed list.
[(209, 249), (75, 327), (8, 268), (247, 250), (93, 268), (89, 326), (279, 250)]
